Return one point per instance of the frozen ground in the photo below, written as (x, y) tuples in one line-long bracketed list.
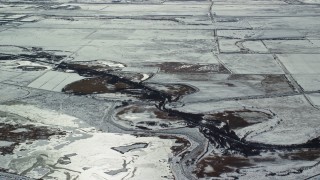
[(159, 89)]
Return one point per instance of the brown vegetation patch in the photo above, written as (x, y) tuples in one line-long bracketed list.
[(32, 68), (240, 118), (96, 65), (214, 166), (152, 111), (95, 86), (181, 144), (304, 154), (276, 84), (173, 89), (18, 133), (269, 83), (178, 67)]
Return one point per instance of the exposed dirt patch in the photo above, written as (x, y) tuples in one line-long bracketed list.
[(152, 112), (16, 134), (246, 77), (175, 90), (148, 117), (96, 86), (240, 118), (214, 166), (32, 68), (276, 84), (304, 154), (86, 66), (269, 83), (98, 65), (164, 115), (178, 67), (132, 76), (181, 144), (104, 82), (131, 109)]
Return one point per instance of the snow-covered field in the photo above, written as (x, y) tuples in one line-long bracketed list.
[(159, 89), (84, 152)]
